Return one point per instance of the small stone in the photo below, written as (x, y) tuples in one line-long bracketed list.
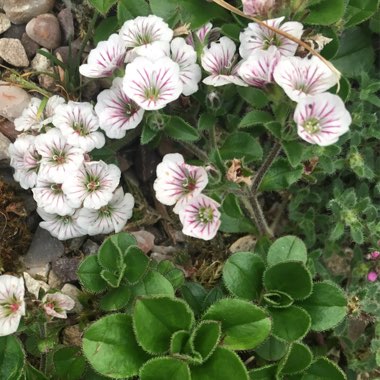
[(7, 128), (44, 29), (33, 286), (15, 31), (65, 18), (90, 247), (30, 46), (75, 243), (74, 293), (40, 62), (145, 240), (12, 51), (5, 24), (65, 268), (22, 11), (72, 336), (4, 144), (48, 81), (54, 281), (13, 100), (244, 244)]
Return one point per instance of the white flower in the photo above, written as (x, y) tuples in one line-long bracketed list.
[(256, 36), (303, 76), (200, 217), (152, 85), (203, 32), (178, 182), (56, 304), (189, 71), (105, 58), (12, 305), (50, 108), (62, 227), (321, 119), (50, 197), (58, 158), (257, 69), (257, 7), (147, 36), (220, 61), (79, 124), (109, 218), (30, 119), (92, 184), (117, 113)]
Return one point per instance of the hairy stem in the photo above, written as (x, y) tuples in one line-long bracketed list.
[(199, 153)]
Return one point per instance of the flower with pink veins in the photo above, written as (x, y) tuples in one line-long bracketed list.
[(152, 85), (62, 227), (58, 158), (105, 58), (256, 36), (219, 60), (257, 7), (300, 77), (92, 184), (56, 304), (189, 71), (200, 217), (50, 197), (257, 70), (50, 108), (109, 218), (321, 119), (79, 124), (148, 36), (178, 182), (30, 118), (12, 305), (116, 112)]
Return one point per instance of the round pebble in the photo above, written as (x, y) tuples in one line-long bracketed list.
[(12, 52), (22, 11), (45, 30)]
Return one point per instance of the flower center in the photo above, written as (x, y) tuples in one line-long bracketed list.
[(105, 212), (144, 39), (312, 126), (272, 41), (189, 184), (14, 307), (50, 305), (93, 184), (152, 93), (80, 129), (66, 219), (59, 157), (56, 188), (206, 215)]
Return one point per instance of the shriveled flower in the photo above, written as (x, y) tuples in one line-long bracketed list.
[(56, 304), (302, 76), (50, 197), (177, 182), (12, 305), (257, 7), (105, 58), (58, 158), (152, 85), (321, 119), (148, 36), (375, 255), (200, 217), (220, 61), (117, 113), (79, 124), (92, 184), (257, 70), (203, 32), (189, 71), (109, 218), (62, 227), (256, 36), (30, 118)]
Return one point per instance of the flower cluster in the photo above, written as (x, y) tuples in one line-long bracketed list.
[(75, 196), (181, 184), (373, 274)]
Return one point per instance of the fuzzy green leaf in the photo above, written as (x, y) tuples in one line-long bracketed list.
[(323, 369), (171, 273), (153, 283), (136, 263), (89, 275), (102, 6), (325, 12), (178, 341), (297, 359), (255, 118), (267, 372), (123, 240), (253, 96), (110, 256), (112, 279), (31, 373), (294, 151), (206, 337), (194, 294), (165, 368), (179, 129), (115, 299), (12, 357), (128, 9), (272, 349), (277, 299), (69, 363), (359, 10), (287, 248)]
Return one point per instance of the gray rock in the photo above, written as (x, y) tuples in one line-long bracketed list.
[(65, 54), (65, 268), (12, 52), (15, 31), (66, 20), (22, 11), (44, 249), (5, 23), (4, 144), (13, 100), (90, 247), (40, 62), (30, 46), (44, 29)]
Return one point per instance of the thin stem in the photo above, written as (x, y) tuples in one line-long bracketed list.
[(214, 146), (195, 150)]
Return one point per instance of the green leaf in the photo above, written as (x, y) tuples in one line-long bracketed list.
[(12, 357), (178, 341), (232, 31), (89, 275), (255, 118), (287, 248), (112, 279), (267, 372), (171, 273), (242, 275), (291, 323), (147, 134), (294, 152), (206, 337), (103, 30), (69, 363), (153, 283), (156, 319), (206, 121), (116, 299), (359, 10), (298, 359), (324, 369), (179, 129), (244, 325), (374, 23), (123, 240), (277, 299), (253, 96), (272, 349), (326, 306), (337, 231), (241, 145), (165, 368), (110, 256), (325, 12), (31, 373), (102, 6), (194, 294), (275, 128), (105, 154), (136, 263), (128, 9), (223, 365), (290, 277), (110, 347)]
